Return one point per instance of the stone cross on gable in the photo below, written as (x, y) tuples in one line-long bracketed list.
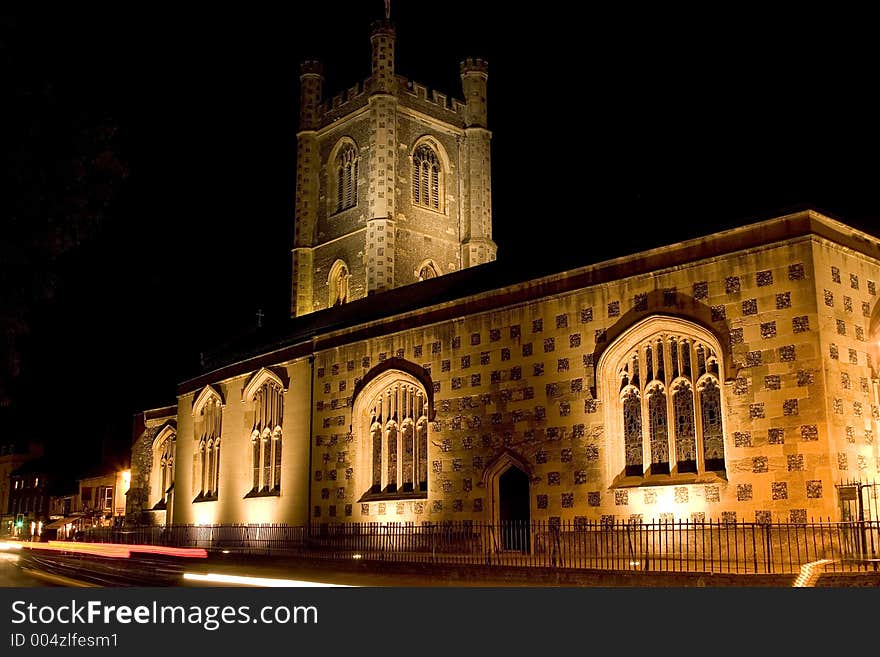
[(259, 317), (387, 10)]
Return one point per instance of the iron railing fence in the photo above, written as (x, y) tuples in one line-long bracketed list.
[(679, 546), (266, 539)]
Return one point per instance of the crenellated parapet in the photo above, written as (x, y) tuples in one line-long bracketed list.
[(343, 104), (409, 93), (429, 101), (474, 65), (312, 67)]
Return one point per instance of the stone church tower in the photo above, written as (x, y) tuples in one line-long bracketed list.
[(392, 183)]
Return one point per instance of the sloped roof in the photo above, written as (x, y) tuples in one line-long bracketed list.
[(498, 284)]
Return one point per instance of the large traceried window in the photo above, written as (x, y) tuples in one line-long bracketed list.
[(265, 394), (164, 447), (346, 167), (427, 178), (392, 418), (207, 416), (667, 400)]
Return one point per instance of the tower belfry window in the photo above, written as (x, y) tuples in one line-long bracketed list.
[(346, 177), (426, 179)]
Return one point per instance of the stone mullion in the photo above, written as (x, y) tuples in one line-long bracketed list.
[(642, 364)]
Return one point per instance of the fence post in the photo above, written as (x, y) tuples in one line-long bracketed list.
[(488, 544), (863, 537), (555, 554), (754, 549)]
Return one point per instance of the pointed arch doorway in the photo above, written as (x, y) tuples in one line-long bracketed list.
[(514, 511), (508, 477)]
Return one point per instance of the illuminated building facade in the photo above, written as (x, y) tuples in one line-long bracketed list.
[(12, 457), (29, 497), (731, 377)]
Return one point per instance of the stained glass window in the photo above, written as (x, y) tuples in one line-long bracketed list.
[(659, 432), (398, 440), (632, 432), (713, 437), (673, 355), (685, 358), (682, 430), (701, 361), (660, 364), (392, 458), (685, 431)]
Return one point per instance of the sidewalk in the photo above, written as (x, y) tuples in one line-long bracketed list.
[(381, 574)]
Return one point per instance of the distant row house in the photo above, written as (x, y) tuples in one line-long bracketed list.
[(40, 502)]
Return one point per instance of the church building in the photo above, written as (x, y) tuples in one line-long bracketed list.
[(731, 377)]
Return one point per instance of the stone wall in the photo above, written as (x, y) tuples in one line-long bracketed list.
[(138, 501), (846, 293), (519, 381)]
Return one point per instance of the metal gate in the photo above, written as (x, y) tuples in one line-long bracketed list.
[(859, 506)]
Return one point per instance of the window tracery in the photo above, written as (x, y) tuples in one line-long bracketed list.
[(427, 178), (346, 166), (267, 404), (668, 403), (394, 417), (206, 460)]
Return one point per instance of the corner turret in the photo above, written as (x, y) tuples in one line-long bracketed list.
[(474, 74), (382, 37), (311, 87)]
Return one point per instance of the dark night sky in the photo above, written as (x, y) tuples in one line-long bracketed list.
[(612, 132)]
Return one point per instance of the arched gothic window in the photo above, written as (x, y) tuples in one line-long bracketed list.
[(428, 269), (668, 401), (338, 284), (207, 412), (346, 177), (163, 466), (393, 427), (427, 178), (267, 400)]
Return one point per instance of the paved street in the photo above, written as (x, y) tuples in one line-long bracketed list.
[(11, 575)]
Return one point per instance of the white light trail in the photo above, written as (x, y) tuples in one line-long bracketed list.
[(216, 578)]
